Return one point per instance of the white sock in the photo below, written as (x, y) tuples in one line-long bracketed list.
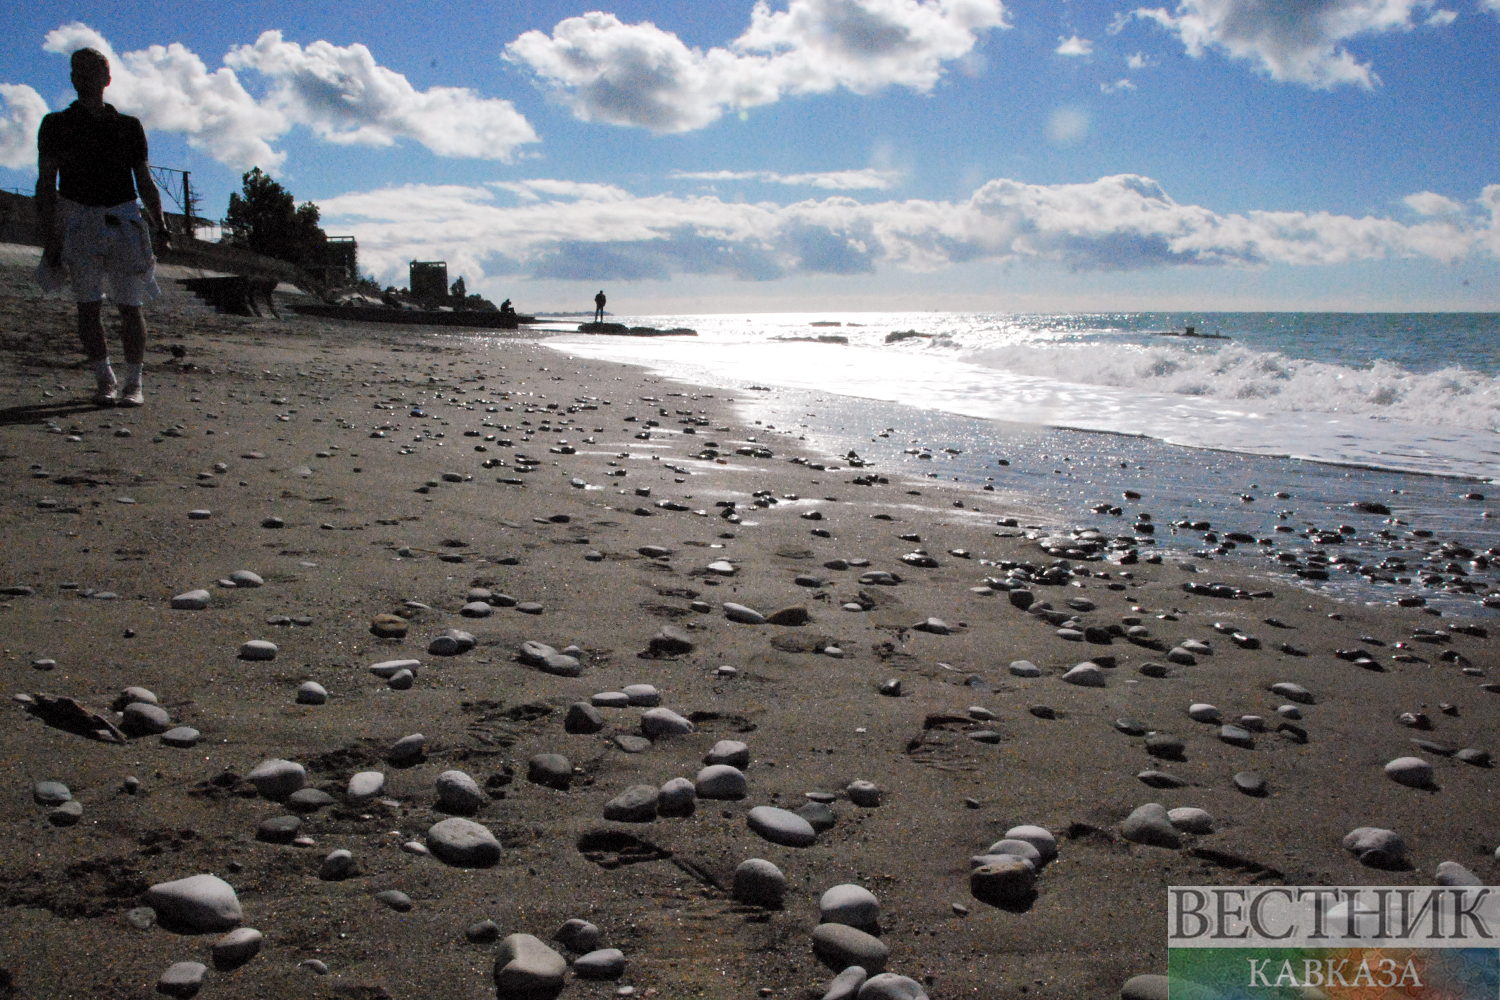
[(102, 371), (133, 373)]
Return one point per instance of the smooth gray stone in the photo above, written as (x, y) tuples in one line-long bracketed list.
[(386, 669), (610, 699), (1453, 873), (1413, 772), (1147, 987), (849, 904), (1086, 674), (1181, 656), (312, 693), (365, 785), (551, 770), (664, 722), (1149, 824), (50, 793), (560, 665), (134, 694), (182, 736), (395, 899), (1163, 745), (643, 695), (476, 609), (721, 781), (1293, 692), (637, 804), (841, 946), (337, 865), (1191, 820), (863, 793), (444, 645), (192, 600), (142, 918), (819, 815), (458, 793), (1161, 779), (578, 936), (245, 578), (258, 649), (1037, 836), (236, 948), (140, 719), (1375, 846), (731, 752), (314, 965), (464, 843), (182, 979), (530, 608), (781, 826), (1203, 712), (401, 680), (670, 642), (275, 779), (407, 749), (309, 800), (678, 797), (278, 829), (1003, 879), (1250, 783), (759, 883), (631, 744), (606, 963), (582, 718), (1131, 727), (1236, 736), (1023, 849), (197, 903), (845, 985), (1470, 755), (889, 986), (525, 968), (482, 932), (743, 615), (67, 814)]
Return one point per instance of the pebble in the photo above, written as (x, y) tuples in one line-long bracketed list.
[(637, 804), (182, 979), (365, 785), (236, 948), (50, 793), (863, 793), (395, 899), (781, 826), (1025, 668), (476, 609), (1191, 820), (258, 649), (198, 903), (67, 814), (578, 936), (245, 578), (721, 781), (759, 883), (678, 797), (278, 829), (1376, 847), (665, 722), (1150, 824), (643, 695), (731, 752), (1453, 873), (1161, 779), (1292, 692), (336, 866), (1250, 783), (1085, 674), (526, 967), (842, 946), (482, 932), (142, 719), (311, 693), (670, 642), (552, 770), (582, 718), (819, 815), (275, 779), (458, 793), (1414, 772), (1037, 836), (845, 985), (1169, 747), (610, 699), (606, 963), (548, 659), (849, 904), (1148, 987), (408, 749), (182, 736), (1237, 736), (192, 600), (464, 843), (1181, 656), (889, 986), (743, 615), (316, 966), (142, 918), (631, 744), (1202, 712), (387, 669)]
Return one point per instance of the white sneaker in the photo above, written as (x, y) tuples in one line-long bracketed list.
[(106, 393), (131, 395)]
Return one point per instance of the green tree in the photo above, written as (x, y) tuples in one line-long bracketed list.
[(267, 220)]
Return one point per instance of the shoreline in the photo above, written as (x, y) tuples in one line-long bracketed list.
[(354, 545)]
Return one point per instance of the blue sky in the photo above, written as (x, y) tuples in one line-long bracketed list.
[(837, 154)]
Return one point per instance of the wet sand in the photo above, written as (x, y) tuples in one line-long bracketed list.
[(363, 535)]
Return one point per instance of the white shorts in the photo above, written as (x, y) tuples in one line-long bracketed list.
[(106, 252)]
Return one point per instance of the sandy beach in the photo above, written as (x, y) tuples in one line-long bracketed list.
[(407, 469)]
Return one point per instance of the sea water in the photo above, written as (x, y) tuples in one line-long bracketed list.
[(1063, 414)]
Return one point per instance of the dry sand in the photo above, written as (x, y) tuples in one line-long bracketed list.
[(309, 396)]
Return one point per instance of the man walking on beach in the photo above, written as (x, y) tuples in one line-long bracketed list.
[(599, 307), (91, 163)]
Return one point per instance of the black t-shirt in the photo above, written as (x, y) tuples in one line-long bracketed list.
[(95, 155)]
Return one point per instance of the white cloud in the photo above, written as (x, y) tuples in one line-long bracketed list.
[(868, 179), (1074, 46), (1117, 87), (342, 94), (21, 111), (1298, 41), (1138, 60), (1441, 18), (638, 74), (1429, 203), (536, 190), (345, 96), (1493, 5), (1067, 126), (1118, 223)]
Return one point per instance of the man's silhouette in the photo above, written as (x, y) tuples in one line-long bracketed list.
[(599, 307)]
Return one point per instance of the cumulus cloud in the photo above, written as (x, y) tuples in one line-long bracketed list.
[(1430, 203), (639, 75), (1120, 223), (868, 179), (1117, 87), (1074, 46), (21, 111), (1138, 60), (341, 94), (1298, 42)]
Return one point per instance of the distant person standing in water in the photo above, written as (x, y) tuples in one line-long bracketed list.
[(91, 164), (599, 307)]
